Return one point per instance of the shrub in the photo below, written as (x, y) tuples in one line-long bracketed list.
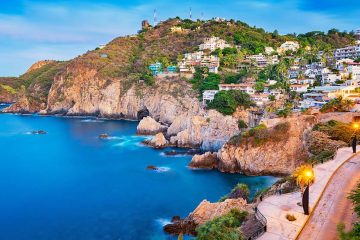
[(285, 112), (336, 130), (223, 227), (148, 79), (241, 190), (226, 102), (337, 105), (242, 124)]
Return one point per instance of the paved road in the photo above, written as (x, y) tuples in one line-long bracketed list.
[(334, 207)]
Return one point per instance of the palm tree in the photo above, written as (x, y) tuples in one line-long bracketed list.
[(304, 176)]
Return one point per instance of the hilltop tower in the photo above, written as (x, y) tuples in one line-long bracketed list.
[(145, 25), (190, 14), (155, 17)]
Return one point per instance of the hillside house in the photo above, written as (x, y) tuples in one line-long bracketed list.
[(299, 88), (213, 43), (244, 87), (288, 46), (156, 68), (208, 95)]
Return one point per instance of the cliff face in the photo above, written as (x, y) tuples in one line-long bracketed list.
[(278, 155)]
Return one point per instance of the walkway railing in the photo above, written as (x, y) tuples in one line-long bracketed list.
[(261, 228)]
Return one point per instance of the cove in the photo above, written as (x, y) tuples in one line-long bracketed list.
[(70, 185)]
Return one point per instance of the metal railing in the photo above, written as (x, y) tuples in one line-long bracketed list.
[(262, 226)]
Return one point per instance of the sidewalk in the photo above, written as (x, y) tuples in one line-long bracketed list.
[(275, 208)]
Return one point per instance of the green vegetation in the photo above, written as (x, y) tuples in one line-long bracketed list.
[(223, 227), (260, 134), (226, 102), (202, 83), (284, 112), (235, 78), (241, 190), (354, 234), (242, 124), (9, 89), (336, 130), (338, 105), (148, 79)]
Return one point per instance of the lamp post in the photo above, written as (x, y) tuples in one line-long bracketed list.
[(354, 140), (305, 177), (305, 199)]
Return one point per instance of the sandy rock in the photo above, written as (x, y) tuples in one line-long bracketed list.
[(275, 156), (205, 212), (207, 160), (148, 126), (158, 141)]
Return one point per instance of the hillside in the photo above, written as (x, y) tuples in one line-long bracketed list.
[(89, 83)]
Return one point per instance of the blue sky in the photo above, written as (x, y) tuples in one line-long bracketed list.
[(62, 29)]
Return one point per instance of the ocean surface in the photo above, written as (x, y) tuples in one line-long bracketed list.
[(71, 185)]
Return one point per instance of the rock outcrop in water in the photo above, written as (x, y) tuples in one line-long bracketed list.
[(158, 141), (205, 212), (148, 126), (207, 160), (269, 154)]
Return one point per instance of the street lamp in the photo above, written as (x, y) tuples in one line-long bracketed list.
[(354, 140), (304, 177)]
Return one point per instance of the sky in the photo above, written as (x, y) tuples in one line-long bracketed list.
[(33, 30)]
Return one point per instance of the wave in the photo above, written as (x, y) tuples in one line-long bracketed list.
[(130, 142), (163, 169), (92, 121), (163, 221)]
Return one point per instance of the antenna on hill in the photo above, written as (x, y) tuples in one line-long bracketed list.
[(155, 17), (202, 16), (190, 14)]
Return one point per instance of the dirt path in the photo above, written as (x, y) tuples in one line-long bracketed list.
[(334, 207)]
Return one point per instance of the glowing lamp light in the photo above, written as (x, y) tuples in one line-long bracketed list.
[(308, 174), (356, 125)]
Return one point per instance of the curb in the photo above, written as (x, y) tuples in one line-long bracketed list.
[(322, 193)]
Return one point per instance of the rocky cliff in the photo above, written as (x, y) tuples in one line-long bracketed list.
[(277, 148)]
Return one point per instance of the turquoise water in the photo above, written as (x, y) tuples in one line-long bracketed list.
[(68, 184)]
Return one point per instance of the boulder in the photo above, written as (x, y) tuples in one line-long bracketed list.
[(148, 126), (207, 160), (38, 132), (152, 167), (158, 141), (205, 212), (104, 136)]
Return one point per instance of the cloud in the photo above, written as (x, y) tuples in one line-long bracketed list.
[(65, 24)]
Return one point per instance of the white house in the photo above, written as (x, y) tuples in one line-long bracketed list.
[(260, 99), (309, 81), (288, 46), (299, 88), (269, 50), (354, 70), (208, 95), (348, 52), (244, 87), (213, 43)]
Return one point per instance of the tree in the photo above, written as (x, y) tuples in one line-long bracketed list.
[(259, 87), (223, 102), (304, 175), (242, 124)]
